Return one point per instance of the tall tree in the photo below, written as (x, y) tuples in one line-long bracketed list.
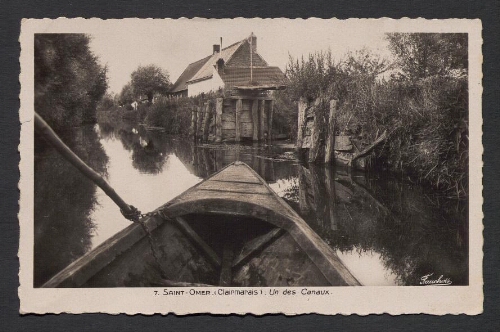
[(126, 95), (148, 80), (69, 81), (422, 55)]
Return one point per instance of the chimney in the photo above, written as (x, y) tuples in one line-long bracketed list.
[(253, 42), (216, 48)]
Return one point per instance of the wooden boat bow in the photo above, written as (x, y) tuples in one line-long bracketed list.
[(238, 190), (236, 194)]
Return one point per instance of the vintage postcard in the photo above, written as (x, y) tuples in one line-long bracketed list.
[(251, 166)]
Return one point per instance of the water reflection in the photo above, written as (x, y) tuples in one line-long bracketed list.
[(149, 155), (394, 229), (385, 231), (64, 200)]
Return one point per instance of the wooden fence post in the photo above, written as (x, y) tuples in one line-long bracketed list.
[(330, 141), (199, 121), (194, 119), (206, 120), (237, 128), (301, 123), (314, 150), (218, 120), (262, 126), (270, 120), (255, 119)]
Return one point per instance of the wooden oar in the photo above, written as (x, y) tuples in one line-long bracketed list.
[(46, 131)]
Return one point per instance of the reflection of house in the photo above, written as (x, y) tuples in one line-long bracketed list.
[(237, 65)]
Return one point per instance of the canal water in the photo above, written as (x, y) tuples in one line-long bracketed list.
[(386, 230)]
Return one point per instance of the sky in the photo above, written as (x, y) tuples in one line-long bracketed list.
[(123, 45)]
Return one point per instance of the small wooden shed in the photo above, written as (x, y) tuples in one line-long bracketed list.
[(247, 114)]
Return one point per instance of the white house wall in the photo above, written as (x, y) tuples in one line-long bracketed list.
[(212, 84)]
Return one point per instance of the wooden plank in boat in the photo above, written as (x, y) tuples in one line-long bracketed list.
[(256, 245), (198, 241), (226, 269), (227, 198), (248, 188), (235, 174)]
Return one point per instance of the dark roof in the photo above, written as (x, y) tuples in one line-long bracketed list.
[(203, 69), (262, 76), (206, 71), (187, 74)]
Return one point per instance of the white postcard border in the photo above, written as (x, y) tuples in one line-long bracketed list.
[(342, 300)]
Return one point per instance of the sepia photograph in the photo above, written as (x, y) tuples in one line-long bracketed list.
[(233, 160)]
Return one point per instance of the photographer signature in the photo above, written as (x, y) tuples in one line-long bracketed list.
[(427, 281)]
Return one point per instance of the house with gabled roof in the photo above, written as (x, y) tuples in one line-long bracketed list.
[(237, 66)]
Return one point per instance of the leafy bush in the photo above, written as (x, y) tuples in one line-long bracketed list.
[(425, 111), (172, 114)]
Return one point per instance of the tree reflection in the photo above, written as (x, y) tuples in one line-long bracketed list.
[(413, 233), (63, 202), (149, 149), (204, 160)]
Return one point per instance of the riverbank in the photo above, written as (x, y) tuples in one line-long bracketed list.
[(172, 115)]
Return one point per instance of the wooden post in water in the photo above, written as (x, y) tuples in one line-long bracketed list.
[(218, 120), (194, 119), (44, 129), (314, 150), (206, 120), (199, 121), (330, 141), (255, 119), (262, 116), (301, 123), (237, 128), (203, 121), (270, 120)]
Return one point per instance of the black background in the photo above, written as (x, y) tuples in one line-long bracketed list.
[(11, 13)]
